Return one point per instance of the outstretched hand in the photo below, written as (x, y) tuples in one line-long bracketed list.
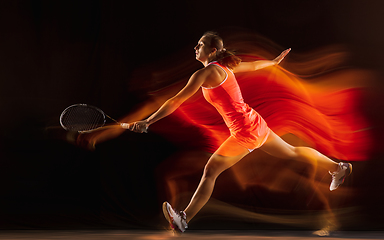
[(139, 126), (282, 55)]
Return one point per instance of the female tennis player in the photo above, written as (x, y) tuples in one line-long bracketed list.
[(248, 129)]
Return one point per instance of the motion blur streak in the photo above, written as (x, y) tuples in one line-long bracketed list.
[(322, 105), (323, 110)]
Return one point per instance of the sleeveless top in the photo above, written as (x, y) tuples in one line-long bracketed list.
[(244, 123)]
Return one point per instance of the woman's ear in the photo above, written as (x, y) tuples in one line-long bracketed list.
[(212, 55), (213, 51)]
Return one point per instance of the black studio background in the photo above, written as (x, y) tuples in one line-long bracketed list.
[(57, 53)]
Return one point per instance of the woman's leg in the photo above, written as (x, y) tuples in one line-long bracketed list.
[(277, 147), (214, 167)]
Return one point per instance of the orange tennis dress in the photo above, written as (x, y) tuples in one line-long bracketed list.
[(244, 123)]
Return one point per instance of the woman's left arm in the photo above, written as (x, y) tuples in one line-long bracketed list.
[(260, 64), (194, 84)]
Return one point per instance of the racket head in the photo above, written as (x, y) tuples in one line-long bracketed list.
[(82, 118)]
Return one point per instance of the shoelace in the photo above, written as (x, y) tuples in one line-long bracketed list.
[(181, 214), (333, 174)]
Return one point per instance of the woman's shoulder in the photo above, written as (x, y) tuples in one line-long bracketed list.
[(212, 74), (214, 68), (206, 70)]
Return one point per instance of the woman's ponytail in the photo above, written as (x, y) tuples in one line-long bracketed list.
[(227, 58)]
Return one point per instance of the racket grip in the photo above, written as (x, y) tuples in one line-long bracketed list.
[(126, 126)]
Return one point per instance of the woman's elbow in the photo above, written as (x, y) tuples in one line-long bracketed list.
[(174, 102)]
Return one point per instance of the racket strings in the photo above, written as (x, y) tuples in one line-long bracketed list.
[(82, 118)]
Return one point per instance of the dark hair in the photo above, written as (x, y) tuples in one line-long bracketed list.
[(223, 56)]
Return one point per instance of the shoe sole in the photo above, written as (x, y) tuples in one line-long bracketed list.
[(348, 172), (350, 169), (168, 217)]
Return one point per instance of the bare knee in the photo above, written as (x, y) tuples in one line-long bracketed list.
[(213, 169), (218, 164)]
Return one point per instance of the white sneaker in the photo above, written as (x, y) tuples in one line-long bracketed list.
[(177, 220), (338, 177)]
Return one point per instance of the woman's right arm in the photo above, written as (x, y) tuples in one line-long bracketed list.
[(194, 84), (260, 64)]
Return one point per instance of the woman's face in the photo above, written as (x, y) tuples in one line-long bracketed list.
[(202, 50)]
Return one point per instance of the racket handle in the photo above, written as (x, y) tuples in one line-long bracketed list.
[(126, 126)]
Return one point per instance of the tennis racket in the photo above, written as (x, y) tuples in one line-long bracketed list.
[(84, 118)]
